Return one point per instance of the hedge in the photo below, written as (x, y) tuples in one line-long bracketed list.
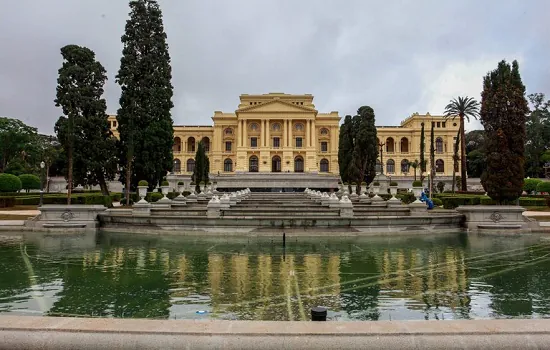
[(29, 182), (62, 199), (530, 185), (544, 186), (451, 202), (9, 183), (437, 202), (7, 202)]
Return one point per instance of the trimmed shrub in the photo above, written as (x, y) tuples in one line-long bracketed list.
[(406, 198), (165, 183), (116, 197), (393, 183), (544, 186), (530, 185), (29, 182), (417, 183), (9, 183), (376, 183), (451, 202), (143, 183), (180, 183), (437, 202)]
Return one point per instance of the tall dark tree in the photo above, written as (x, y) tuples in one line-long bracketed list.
[(422, 162), (432, 159), (144, 120), (456, 159), (84, 124), (94, 160), (365, 150), (464, 108), (202, 166), (345, 148), (15, 138), (503, 114)]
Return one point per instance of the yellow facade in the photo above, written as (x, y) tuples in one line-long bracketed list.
[(279, 132)]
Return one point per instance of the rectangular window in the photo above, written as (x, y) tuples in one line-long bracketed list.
[(228, 146), (438, 124), (444, 123), (324, 146), (253, 142), (298, 142), (276, 142), (433, 124)]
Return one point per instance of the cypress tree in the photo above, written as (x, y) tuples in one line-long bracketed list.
[(422, 162), (345, 148), (84, 124), (365, 150), (144, 119), (504, 111)]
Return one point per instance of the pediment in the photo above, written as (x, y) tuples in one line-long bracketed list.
[(276, 106)]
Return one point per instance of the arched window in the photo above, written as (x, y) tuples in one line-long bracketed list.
[(405, 166), (190, 165), (298, 164), (206, 144), (191, 144), (276, 164), (324, 131), (299, 127), (228, 165), (176, 148), (404, 145), (390, 145), (253, 164), (378, 166), (228, 131), (177, 166), (254, 127), (390, 166), (276, 127), (439, 166), (324, 166), (439, 145)]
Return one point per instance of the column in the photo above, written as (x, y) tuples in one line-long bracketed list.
[(245, 136), (262, 134), (284, 133), (314, 137), (290, 143), (240, 133), (308, 133), (267, 136)]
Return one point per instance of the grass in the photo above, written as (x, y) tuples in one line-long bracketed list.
[(20, 207), (547, 209), (13, 217)]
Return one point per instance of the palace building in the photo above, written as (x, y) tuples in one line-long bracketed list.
[(283, 133)]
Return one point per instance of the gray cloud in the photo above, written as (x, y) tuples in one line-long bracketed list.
[(399, 57)]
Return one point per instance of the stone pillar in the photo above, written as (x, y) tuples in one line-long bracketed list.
[(262, 134), (267, 136), (314, 137), (290, 143), (284, 133), (346, 207), (213, 208), (308, 133), (245, 132)]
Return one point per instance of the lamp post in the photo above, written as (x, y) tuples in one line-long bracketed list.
[(42, 166)]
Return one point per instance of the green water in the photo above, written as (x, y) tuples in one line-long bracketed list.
[(444, 277)]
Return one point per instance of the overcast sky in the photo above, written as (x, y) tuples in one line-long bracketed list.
[(397, 56)]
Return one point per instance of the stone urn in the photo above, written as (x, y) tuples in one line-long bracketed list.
[(165, 190), (376, 188), (180, 197), (393, 190), (142, 192), (417, 191), (363, 188)]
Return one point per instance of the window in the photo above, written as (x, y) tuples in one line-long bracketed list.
[(228, 146), (228, 131), (276, 164), (253, 142), (177, 165), (439, 166), (191, 144), (443, 124), (439, 145), (324, 166), (114, 124), (324, 131), (405, 166), (433, 124), (438, 124), (276, 142), (254, 127), (206, 144), (299, 127), (176, 148), (404, 145), (276, 127), (253, 164), (324, 146), (190, 165), (228, 165), (298, 164), (298, 142), (390, 145), (390, 166)]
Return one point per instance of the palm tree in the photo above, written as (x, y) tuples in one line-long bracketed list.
[(463, 107), (415, 165)]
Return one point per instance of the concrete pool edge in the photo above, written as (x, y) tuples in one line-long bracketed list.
[(24, 332)]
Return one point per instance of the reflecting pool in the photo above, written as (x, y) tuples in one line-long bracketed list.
[(384, 278)]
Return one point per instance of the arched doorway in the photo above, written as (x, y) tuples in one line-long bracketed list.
[(253, 164), (276, 164), (324, 166), (298, 164)]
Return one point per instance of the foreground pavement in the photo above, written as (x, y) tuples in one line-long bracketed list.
[(28, 332)]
